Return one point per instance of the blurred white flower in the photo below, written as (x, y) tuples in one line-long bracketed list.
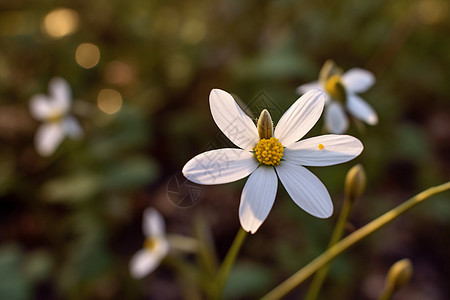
[(53, 111), (341, 89), (268, 154), (156, 245)]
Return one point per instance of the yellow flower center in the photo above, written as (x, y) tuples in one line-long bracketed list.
[(335, 88), (150, 244), (55, 117), (269, 151)]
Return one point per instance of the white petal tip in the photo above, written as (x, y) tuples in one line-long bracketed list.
[(216, 92), (322, 214), (249, 221), (373, 120), (44, 153), (250, 228), (326, 215)]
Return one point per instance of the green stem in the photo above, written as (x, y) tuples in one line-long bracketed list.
[(206, 252), (387, 294), (190, 272), (338, 232), (225, 268), (323, 259)]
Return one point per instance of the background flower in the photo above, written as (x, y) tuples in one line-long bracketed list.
[(341, 89), (53, 111), (156, 246)]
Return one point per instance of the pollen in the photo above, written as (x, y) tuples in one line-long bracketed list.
[(321, 146), (269, 151)]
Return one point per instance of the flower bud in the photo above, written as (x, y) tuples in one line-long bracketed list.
[(328, 70), (265, 125), (355, 182), (399, 274)]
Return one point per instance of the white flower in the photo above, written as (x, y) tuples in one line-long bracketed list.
[(156, 245), (266, 154), (53, 111), (341, 90)]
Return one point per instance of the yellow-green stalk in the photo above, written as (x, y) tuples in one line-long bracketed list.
[(323, 259), (355, 183), (399, 274)]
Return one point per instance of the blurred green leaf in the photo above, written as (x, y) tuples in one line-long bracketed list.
[(130, 173), (74, 188), (38, 265), (246, 280), (13, 284)]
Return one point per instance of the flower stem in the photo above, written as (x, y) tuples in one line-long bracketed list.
[(321, 274), (387, 294), (206, 252), (323, 259), (225, 268), (190, 272)]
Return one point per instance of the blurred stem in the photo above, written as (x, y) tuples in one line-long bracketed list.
[(228, 262), (206, 253), (320, 276), (190, 272), (323, 259), (387, 293)]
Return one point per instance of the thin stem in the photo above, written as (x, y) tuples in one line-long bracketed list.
[(338, 232), (225, 268), (350, 240), (190, 272), (206, 252), (387, 293)]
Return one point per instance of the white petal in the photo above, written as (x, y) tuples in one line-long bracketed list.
[(220, 166), (61, 94), (232, 121), (328, 99), (305, 189), (257, 198), (144, 261), (361, 109), (153, 223), (336, 149), (300, 117), (335, 118), (72, 127), (358, 80), (40, 107), (315, 85), (48, 137)]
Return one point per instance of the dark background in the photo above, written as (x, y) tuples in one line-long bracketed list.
[(70, 223)]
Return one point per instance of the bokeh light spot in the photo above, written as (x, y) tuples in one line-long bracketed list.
[(432, 11), (109, 101), (60, 22), (87, 55)]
